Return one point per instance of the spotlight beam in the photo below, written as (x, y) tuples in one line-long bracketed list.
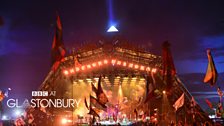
[(111, 21)]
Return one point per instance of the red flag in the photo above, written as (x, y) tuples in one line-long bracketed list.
[(86, 104), (136, 113), (114, 117), (58, 49), (76, 62), (94, 102), (211, 73), (150, 95), (148, 80), (101, 96), (209, 103), (219, 91), (2, 96), (150, 88), (168, 66), (179, 102), (55, 65), (94, 88)]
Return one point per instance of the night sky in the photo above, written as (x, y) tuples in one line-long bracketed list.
[(191, 27)]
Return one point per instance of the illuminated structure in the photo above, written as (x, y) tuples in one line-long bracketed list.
[(124, 69), (112, 29)]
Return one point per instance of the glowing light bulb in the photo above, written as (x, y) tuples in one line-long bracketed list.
[(66, 72), (105, 61), (72, 71)]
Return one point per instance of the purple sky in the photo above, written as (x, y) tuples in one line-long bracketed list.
[(27, 33)]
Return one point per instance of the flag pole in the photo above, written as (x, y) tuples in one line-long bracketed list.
[(176, 116), (193, 115), (149, 109), (185, 119)]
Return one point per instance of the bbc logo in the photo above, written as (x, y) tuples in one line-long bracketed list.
[(39, 93)]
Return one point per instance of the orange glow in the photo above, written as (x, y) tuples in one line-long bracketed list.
[(83, 67), (154, 70), (118, 62), (130, 65), (113, 61), (77, 69), (124, 64), (94, 64), (99, 63), (136, 66), (105, 61), (142, 68), (72, 71), (148, 69), (63, 121), (89, 66), (66, 72), (120, 93)]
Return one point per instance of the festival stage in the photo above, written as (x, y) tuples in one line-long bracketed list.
[(111, 85), (111, 81)]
